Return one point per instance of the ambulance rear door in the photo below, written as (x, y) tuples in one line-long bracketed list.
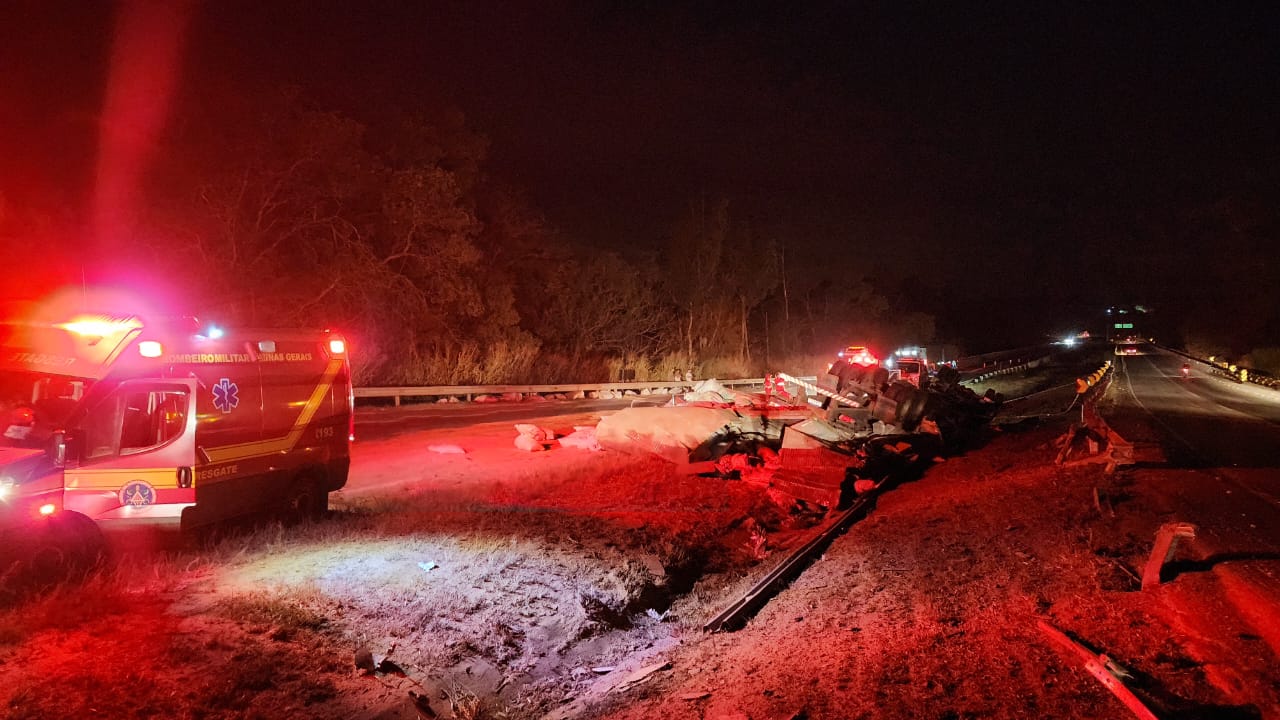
[(304, 399)]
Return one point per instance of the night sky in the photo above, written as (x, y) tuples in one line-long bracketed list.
[(1015, 164)]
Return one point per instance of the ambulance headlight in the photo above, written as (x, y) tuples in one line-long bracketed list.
[(337, 347), (150, 349), (6, 488), (215, 332)]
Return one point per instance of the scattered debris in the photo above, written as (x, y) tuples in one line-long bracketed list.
[(370, 664), (422, 704), (529, 444), (428, 566), (603, 669), (364, 661), (696, 695), (540, 434), (712, 392), (685, 433), (446, 449), (641, 675), (532, 438), (1106, 670), (1099, 500), (1166, 544), (1091, 440), (802, 439), (387, 666), (582, 437)]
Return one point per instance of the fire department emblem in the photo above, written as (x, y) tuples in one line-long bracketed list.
[(137, 494), (226, 395)]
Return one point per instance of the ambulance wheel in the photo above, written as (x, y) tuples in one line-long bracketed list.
[(68, 547), (79, 539), (307, 500)]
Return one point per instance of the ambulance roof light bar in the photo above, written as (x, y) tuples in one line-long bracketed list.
[(97, 326)]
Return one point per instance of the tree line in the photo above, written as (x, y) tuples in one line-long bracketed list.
[(276, 213)]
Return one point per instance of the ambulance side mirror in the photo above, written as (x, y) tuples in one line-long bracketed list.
[(57, 449)]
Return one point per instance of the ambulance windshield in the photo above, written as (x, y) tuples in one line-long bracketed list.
[(33, 405)]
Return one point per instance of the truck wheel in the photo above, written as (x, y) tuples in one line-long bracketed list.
[(948, 375), (879, 377), (913, 410)]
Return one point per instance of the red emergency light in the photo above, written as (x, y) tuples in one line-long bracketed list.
[(857, 355), (97, 326)]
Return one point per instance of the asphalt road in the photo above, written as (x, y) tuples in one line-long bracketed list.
[(1211, 447), (1205, 421)]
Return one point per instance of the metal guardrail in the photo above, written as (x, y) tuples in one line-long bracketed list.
[(670, 387), (1229, 371), (1006, 370), (1000, 359), (471, 391), (736, 615)]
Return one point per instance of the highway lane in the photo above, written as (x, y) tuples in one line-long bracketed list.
[(1205, 421)]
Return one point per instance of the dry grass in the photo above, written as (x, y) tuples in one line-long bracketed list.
[(65, 607), (494, 597), (285, 616)]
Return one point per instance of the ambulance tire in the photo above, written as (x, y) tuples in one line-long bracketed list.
[(68, 547), (307, 499)]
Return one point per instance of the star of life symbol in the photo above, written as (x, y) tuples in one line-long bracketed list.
[(226, 395)]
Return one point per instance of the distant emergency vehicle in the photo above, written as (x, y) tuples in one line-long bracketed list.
[(117, 417), (910, 365)]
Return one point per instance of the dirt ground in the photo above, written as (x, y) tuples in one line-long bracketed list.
[(494, 583)]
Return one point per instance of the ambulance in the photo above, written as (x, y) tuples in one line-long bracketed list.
[(113, 417)]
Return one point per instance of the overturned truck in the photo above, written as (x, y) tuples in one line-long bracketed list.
[(811, 440), (864, 400)]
